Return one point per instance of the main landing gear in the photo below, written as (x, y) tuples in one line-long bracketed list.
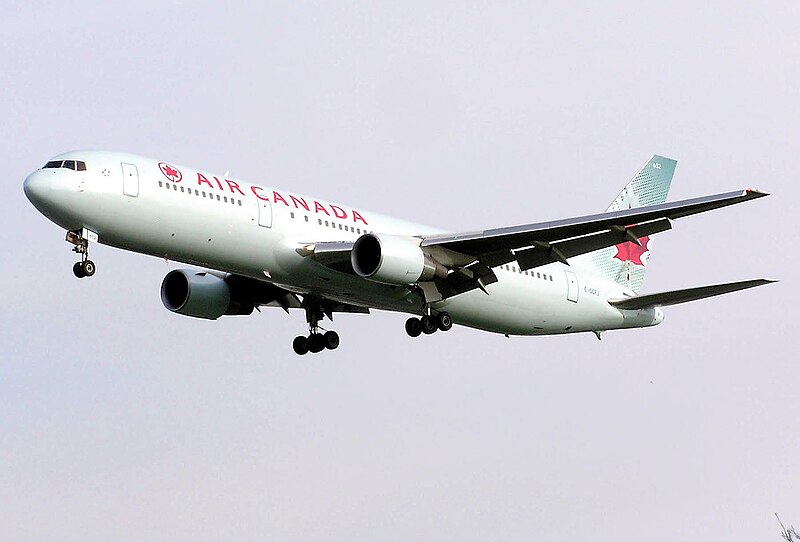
[(85, 267), (316, 341), (428, 324)]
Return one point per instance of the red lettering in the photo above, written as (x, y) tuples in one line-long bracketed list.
[(276, 196), (234, 186), (319, 207), (357, 217), (339, 212), (202, 180), (300, 201), (255, 189), (218, 183)]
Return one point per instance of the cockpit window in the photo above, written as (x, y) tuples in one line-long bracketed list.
[(76, 165)]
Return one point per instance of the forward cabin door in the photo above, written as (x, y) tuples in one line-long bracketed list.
[(264, 213), (572, 286), (130, 180)]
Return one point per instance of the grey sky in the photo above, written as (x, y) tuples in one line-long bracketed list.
[(122, 421)]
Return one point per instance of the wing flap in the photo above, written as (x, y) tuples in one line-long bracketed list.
[(543, 253), (676, 297)]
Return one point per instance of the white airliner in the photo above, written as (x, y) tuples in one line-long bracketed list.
[(271, 247)]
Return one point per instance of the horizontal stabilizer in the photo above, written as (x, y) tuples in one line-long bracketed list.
[(676, 297)]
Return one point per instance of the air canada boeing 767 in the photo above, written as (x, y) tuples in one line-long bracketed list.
[(265, 246)]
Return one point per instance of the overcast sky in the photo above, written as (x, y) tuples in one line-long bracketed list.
[(122, 421)]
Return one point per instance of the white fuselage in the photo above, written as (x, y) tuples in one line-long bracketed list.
[(255, 230)]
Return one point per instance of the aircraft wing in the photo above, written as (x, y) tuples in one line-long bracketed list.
[(541, 243), (265, 294), (675, 297), (469, 257)]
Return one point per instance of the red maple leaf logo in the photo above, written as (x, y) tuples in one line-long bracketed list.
[(170, 172), (631, 252)]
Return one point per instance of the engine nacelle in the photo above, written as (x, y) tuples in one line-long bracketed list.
[(202, 295), (393, 260)]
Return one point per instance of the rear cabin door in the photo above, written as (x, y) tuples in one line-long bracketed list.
[(130, 180), (264, 213), (572, 286)]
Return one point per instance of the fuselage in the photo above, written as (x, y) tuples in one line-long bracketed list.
[(255, 230)]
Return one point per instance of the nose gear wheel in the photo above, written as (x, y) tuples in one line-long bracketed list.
[(85, 267)]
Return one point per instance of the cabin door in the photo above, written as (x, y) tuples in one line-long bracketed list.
[(572, 286), (130, 180), (264, 213)]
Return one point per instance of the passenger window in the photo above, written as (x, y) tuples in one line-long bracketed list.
[(226, 199), (340, 226), (160, 184), (306, 217), (217, 197), (291, 214), (175, 187), (181, 189)]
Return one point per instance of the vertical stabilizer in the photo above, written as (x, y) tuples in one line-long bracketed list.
[(626, 263)]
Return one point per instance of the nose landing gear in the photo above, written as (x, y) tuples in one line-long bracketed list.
[(85, 267)]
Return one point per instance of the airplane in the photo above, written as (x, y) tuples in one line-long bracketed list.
[(264, 246)]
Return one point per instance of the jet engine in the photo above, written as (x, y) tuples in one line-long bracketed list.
[(202, 295), (392, 259)]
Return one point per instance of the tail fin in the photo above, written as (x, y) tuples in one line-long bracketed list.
[(626, 263)]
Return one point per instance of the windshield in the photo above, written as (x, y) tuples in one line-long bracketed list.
[(75, 165)]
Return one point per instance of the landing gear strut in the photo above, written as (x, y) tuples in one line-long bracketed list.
[(316, 341), (85, 267), (428, 324)]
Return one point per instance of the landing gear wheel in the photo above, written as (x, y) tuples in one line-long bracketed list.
[(88, 268), (429, 326), (300, 345), (77, 270), (316, 343), (443, 321), (413, 327), (331, 339)]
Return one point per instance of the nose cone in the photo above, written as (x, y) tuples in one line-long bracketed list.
[(37, 189), (52, 193)]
